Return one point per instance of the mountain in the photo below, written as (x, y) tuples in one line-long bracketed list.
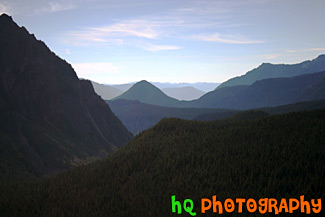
[(50, 120), (183, 93), (268, 70), (275, 157), (137, 116), (315, 92), (145, 92), (202, 86), (122, 87), (106, 91), (266, 93)]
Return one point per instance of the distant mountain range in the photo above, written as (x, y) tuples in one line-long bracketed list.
[(266, 93), (261, 93), (268, 70), (183, 93), (122, 87), (175, 90), (202, 86), (50, 120)]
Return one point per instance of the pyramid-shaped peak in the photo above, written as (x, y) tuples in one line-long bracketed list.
[(144, 84)]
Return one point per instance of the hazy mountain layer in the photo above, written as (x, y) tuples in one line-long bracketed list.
[(137, 116), (183, 93), (202, 86), (107, 92), (266, 93)]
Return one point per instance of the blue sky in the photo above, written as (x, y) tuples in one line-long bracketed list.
[(120, 41)]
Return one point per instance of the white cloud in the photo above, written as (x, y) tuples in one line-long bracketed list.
[(93, 70), (138, 28), (317, 49), (152, 47), (269, 56), (112, 34), (306, 50), (60, 6), (230, 39), (4, 9)]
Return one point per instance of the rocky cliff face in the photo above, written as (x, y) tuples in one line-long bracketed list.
[(50, 120)]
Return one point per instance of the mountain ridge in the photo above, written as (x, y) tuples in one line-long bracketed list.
[(266, 93), (50, 120), (268, 70)]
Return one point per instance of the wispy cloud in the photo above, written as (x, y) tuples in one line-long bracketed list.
[(306, 50), (58, 6), (177, 23), (113, 34), (138, 28), (89, 70), (317, 49), (154, 48), (4, 9), (230, 39), (268, 56)]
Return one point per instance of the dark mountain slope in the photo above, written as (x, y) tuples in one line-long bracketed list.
[(272, 157), (267, 70), (315, 92), (145, 92), (296, 107), (50, 120), (266, 93)]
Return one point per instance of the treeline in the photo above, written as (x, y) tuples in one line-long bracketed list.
[(275, 157)]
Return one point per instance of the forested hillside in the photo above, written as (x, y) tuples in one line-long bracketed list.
[(276, 157)]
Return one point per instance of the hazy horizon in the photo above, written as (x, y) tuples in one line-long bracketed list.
[(118, 42)]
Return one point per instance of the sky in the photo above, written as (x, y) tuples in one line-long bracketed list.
[(121, 41)]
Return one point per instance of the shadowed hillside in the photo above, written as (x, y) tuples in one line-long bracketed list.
[(266, 93), (50, 120), (272, 157)]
